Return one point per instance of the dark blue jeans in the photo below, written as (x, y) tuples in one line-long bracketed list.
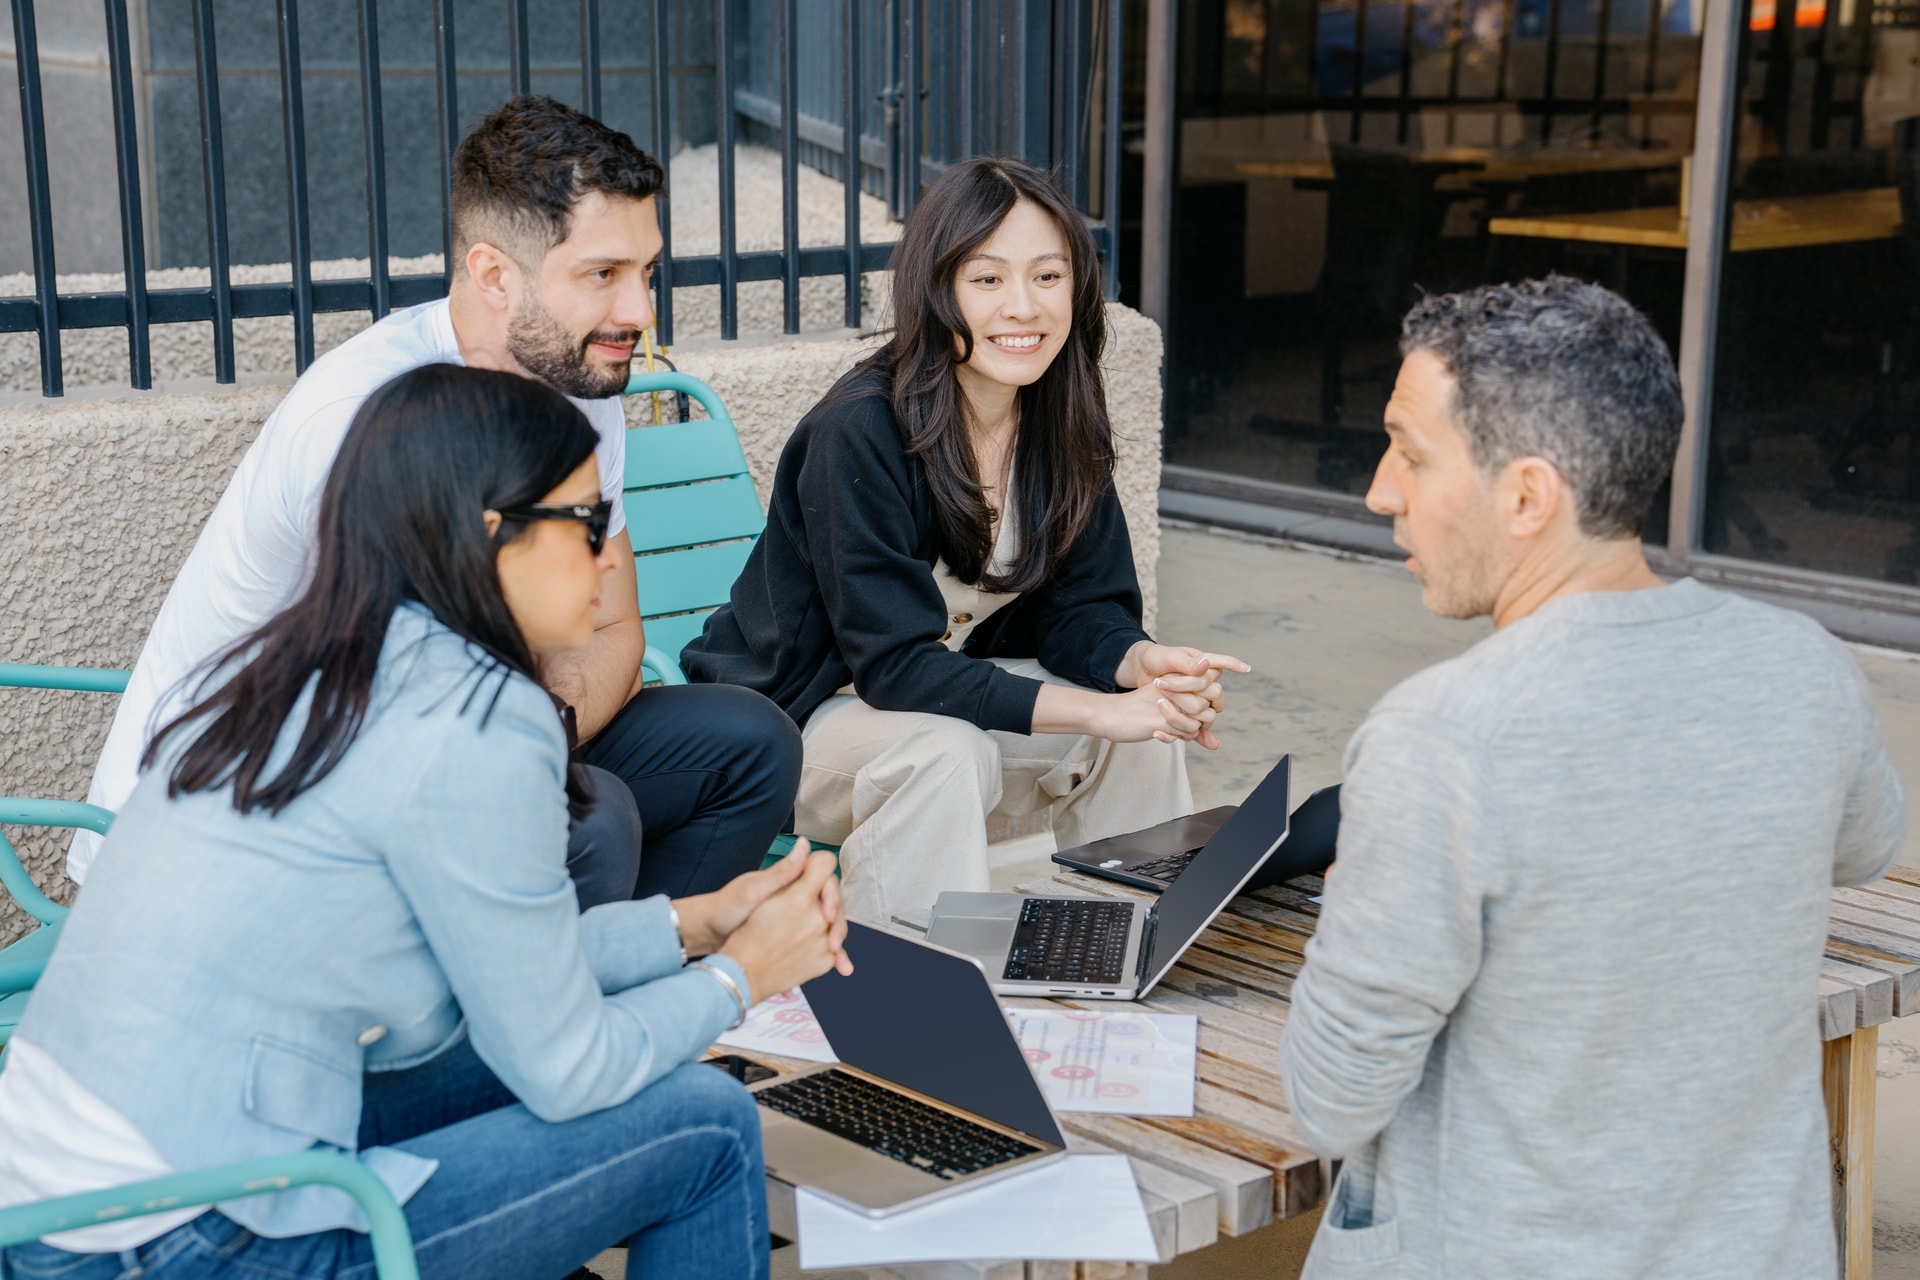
[(676, 1171), (712, 769)]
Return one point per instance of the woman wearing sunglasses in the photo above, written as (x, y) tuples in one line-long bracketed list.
[(336, 911), (945, 600)]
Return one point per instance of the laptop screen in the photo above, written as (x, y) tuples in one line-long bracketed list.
[(1219, 870), (926, 1019)]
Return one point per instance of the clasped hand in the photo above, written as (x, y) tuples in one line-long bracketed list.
[(783, 925), (1175, 692)]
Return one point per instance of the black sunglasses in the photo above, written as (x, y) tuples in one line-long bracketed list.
[(595, 517)]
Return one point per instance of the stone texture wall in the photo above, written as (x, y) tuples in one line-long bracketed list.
[(106, 497)]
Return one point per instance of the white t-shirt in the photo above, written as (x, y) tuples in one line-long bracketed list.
[(255, 554), (63, 1139)]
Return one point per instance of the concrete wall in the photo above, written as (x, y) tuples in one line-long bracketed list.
[(105, 497)]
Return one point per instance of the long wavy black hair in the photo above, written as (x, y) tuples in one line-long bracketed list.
[(1063, 455), (401, 518)]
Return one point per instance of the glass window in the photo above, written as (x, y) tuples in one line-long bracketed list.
[(1336, 157), (1812, 460)]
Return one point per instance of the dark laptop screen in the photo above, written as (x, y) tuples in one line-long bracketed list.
[(926, 1019), (1217, 871)]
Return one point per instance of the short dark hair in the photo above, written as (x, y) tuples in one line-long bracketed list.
[(1563, 370), (519, 172)]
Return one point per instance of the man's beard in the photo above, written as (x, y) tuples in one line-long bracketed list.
[(1467, 585), (542, 346)]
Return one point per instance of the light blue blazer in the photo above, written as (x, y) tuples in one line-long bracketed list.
[(225, 980)]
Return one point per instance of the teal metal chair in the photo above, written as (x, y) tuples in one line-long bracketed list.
[(392, 1242), (694, 516), (22, 962)]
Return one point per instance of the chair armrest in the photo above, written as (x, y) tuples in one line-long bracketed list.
[(642, 383), (23, 675), (664, 669), (392, 1242), (41, 813)]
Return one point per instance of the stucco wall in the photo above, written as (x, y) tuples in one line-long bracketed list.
[(106, 496)]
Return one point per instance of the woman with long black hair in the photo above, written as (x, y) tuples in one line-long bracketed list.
[(336, 911), (945, 599)]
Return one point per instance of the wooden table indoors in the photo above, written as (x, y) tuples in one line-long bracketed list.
[(1789, 222)]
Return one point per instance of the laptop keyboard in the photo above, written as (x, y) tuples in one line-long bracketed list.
[(1070, 940), (908, 1130), (1168, 868)]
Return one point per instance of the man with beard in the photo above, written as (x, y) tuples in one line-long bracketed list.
[(556, 237), (1558, 1016)]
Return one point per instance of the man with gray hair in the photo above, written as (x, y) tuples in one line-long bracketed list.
[(1559, 1015)]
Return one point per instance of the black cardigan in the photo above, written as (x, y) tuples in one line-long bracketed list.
[(840, 588)]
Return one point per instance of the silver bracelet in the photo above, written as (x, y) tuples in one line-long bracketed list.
[(673, 918), (733, 988)]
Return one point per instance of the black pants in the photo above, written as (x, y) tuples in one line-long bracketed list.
[(693, 784)]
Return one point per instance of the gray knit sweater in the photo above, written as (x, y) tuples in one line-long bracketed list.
[(1559, 1016)]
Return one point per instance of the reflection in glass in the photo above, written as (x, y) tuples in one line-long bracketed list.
[(1812, 461), (1337, 157)]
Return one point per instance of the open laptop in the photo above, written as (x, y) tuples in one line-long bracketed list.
[(1113, 948), (1154, 858), (932, 1093)]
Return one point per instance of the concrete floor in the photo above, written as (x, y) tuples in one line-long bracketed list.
[(1327, 636)]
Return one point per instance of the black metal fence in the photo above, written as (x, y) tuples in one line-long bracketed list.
[(902, 87)]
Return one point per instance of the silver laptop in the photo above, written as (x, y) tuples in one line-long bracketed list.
[(932, 1094), (1113, 948)]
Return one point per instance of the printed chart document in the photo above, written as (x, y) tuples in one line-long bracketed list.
[(781, 1024), (1120, 1061), (1124, 1062), (1083, 1207)]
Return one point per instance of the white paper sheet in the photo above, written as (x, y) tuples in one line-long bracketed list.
[(1119, 1061), (781, 1024), (1083, 1207)]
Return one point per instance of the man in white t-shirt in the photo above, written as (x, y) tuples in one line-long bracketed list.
[(556, 236)]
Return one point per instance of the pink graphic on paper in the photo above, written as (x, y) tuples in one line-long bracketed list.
[(1125, 1029), (1118, 1089), (1037, 1055), (793, 1015), (1071, 1072), (809, 1035), (1085, 1015)]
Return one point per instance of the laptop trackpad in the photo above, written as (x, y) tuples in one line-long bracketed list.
[(975, 924), (804, 1156)]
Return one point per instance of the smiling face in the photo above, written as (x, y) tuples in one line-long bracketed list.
[(1016, 293), (549, 577), (1443, 505), (574, 323)]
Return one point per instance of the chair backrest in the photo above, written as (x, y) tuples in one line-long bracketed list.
[(692, 513), (14, 879), (392, 1242), (26, 675)]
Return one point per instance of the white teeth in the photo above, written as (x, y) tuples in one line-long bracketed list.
[(1019, 344)]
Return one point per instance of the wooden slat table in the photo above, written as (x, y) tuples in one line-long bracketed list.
[(1239, 1163)]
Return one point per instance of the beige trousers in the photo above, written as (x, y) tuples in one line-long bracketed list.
[(907, 794)]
